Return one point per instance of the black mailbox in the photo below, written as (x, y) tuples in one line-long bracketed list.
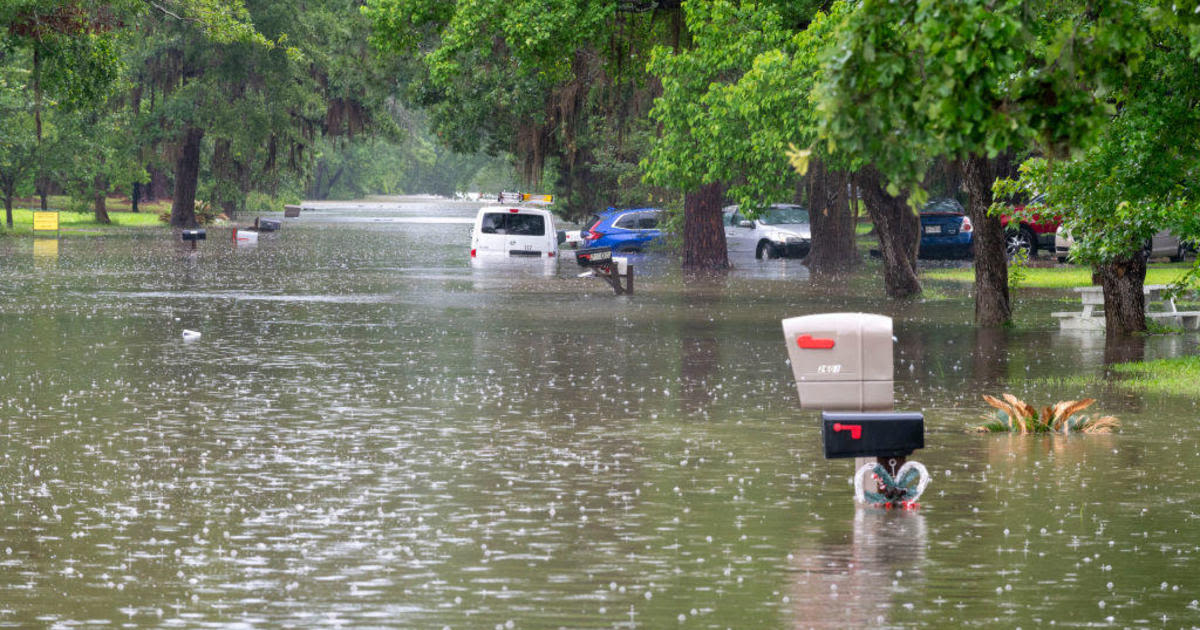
[(593, 256), (268, 225), (194, 235), (872, 434)]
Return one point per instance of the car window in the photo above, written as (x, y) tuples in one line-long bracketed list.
[(627, 221), (527, 224), (508, 223), (648, 221), (736, 218), (493, 222), (783, 215)]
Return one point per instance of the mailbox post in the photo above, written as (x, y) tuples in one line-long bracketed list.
[(842, 363)]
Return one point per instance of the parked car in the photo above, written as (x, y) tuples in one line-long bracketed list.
[(946, 230), (1163, 244), (1032, 234), (624, 231), (572, 239), (781, 231), (504, 231)]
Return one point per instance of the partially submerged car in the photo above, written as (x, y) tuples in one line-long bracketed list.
[(514, 231), (781, 231), (624, 231)]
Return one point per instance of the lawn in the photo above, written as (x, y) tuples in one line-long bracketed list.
[(85, 222), (1062, 277), (1178, 376)]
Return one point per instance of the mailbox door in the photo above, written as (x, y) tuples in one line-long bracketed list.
[(872, 434), (840, 347)]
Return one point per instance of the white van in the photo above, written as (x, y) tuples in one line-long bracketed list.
[(514, 231)]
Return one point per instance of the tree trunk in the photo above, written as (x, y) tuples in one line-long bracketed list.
[(39, 178), (704, 247), (898, 229), (187, 173), (100, 200), (223, 173), (992, 305), (832, 220), (1124, 302), (160, 186), (8, 218), (133, 199)]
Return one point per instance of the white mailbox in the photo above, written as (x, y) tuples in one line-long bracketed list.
[(841, 361)]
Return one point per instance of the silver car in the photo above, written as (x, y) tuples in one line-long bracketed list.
[(1163, 244), (781, 231)]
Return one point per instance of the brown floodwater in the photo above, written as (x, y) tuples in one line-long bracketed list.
[(372, 432)]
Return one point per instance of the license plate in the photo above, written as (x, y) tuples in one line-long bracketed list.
[(933, 229)]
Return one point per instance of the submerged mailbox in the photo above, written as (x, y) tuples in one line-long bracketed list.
[(841, 361), (872, 434)]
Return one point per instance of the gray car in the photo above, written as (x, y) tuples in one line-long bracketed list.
[(781, 231), (1163, 244)]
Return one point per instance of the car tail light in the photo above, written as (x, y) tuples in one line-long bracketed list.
[(966, 225), (549, 254), (513, 210), (472, 253)]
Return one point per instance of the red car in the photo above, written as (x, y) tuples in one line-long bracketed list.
[(1030, 234)]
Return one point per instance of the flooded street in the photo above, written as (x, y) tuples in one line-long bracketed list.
[(372, 432)]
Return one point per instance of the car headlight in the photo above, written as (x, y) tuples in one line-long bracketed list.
[(784, 238)]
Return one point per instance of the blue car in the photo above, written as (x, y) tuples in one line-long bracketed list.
[(624, 231), (946, 230)]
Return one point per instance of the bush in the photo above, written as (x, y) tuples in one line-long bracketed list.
[(1015, 416)]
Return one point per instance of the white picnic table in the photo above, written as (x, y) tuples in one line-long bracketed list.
[(1159, 306)]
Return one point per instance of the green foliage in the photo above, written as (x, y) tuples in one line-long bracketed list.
[(1016, 416), (1018, 269), (734, 100), (908, 81), (1139, 177), (561, 86)]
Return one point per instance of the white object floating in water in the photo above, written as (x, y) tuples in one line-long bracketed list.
[(243, 236), (190, 335)]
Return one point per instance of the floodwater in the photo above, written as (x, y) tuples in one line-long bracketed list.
[(371, 432)]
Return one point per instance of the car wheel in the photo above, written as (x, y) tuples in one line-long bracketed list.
[(1020, 239), (766, 250)]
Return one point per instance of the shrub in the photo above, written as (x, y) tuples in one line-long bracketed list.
[(1015, 415)]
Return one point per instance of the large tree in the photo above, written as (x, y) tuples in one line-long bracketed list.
[(912, 80), (561, 86), (735, 96), (1139, 177)]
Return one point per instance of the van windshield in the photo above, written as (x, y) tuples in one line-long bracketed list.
[(509, 223)]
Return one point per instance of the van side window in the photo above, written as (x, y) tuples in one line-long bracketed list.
[(648, 221), (493, 223)]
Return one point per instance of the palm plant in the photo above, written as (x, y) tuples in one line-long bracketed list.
[(1015, 415)]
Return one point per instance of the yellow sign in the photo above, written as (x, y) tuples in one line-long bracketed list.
[(45, 221), (537, 198), (45, 249)]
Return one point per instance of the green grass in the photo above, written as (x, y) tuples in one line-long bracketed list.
[(85, 222), (1061, 277), (1176, 377)]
